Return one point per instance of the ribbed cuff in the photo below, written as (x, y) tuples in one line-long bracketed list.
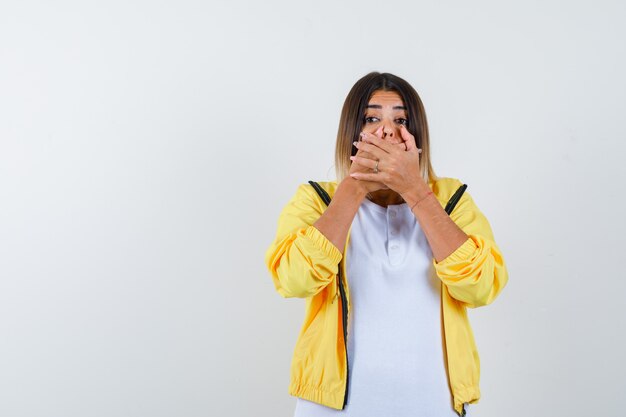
[(323, 243)]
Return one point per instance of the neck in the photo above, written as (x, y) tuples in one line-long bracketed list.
[(385, 197)]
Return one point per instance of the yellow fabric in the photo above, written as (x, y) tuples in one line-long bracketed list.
[(304, 263)]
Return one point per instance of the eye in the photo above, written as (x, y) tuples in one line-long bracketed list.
[(371, 119), (403, 121)]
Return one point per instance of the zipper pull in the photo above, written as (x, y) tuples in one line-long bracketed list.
[(335, 297)]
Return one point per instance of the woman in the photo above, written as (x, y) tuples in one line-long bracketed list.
[(386, 273)]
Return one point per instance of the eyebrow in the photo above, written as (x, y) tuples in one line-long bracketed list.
[(378, 106)]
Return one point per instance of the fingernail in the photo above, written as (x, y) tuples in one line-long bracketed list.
[(352, 158), (362, 134), (355, 143)]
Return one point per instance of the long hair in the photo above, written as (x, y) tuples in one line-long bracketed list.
[(353, 114)]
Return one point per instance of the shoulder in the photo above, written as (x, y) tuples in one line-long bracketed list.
[(445, 187), (307, 200), (306, 190)]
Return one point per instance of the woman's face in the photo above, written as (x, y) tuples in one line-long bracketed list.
[(385, 110)]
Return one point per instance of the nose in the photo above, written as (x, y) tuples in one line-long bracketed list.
[(389, 132)]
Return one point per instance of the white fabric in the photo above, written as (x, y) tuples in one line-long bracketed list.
[(395, 345)]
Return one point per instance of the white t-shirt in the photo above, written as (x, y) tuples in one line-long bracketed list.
[(395, 343)]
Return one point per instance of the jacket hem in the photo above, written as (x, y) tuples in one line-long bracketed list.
[(469, 395), (327, 398)]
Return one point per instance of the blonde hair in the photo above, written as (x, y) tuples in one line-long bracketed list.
[(353, 113)]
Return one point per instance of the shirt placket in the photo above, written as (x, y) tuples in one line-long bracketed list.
[(395, 247)]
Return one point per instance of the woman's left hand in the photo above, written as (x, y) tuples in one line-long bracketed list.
[(398, 164)]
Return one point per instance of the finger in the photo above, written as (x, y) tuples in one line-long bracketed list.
[(401, 145), (409, 139), (372, 149), (364, 176), (378, 132), (364, 154), (367, 163), (375, 140)]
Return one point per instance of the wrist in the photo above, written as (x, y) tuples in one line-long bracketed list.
[(354, 187), (417, 194)]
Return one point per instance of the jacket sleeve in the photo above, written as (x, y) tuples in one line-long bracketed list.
[(475, 273), (301, 260)]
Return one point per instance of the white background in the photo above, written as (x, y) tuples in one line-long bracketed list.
[(147, 148)]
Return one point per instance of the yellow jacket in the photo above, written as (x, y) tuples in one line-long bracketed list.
[(304, 263)]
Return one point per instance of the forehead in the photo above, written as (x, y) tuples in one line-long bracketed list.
[(386, 98)]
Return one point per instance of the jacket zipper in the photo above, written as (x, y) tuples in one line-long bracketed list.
[(344, 316), (344, 307), (447, 367)]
